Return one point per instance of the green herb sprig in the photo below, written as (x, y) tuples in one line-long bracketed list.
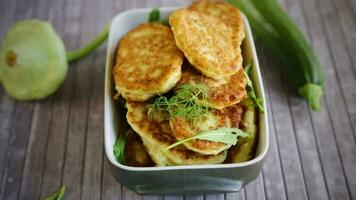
[(225, 135), (250, 89), (185, 104), (119, 148), (155, 17), (58, 195)]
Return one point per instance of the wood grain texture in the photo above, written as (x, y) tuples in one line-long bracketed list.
[(6, 102), (59, 140), (313, 174)]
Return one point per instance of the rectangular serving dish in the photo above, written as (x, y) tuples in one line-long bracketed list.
[(191, 179)]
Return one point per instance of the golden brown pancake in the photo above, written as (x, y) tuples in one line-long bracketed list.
[(245, 149), (148, 62), (157, 136), (183, 129), (135, 152), (221, 93), (157, 154), (207, 42), (227, 13)]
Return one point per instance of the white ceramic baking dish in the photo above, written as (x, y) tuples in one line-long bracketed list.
[(177, 179)]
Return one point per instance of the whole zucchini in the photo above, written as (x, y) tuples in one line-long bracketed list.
[(280, 34)]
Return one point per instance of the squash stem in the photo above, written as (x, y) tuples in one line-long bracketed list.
[(83, 51), (312, 93)]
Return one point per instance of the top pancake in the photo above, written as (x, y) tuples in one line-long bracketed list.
[(147, 62), (157, 136), (209, 44), (221, 93), (227, 13)]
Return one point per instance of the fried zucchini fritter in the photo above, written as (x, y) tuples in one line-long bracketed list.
[(135, 152), (245, 149), (207, 42), (183, 129), (148, 62), (221, 93), (228, 13), (157, 136)]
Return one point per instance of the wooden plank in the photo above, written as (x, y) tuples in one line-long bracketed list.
[(285, 134), (21, 121), (77, 127), (313, 174), (36, 150), (6, 103), (214, 197), (272, 169), (130, 195), (92, 172), (346, 16), (348, 25), (329, 153), (111, 189), (194, 197), (347, 81), (19, 132), (7, 15), (52, 178), (6, 110), (352, 6), (173, 197), (152, 197), (255, 189), (236, 195)]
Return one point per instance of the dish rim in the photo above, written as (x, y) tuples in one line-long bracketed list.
[(108, 98)]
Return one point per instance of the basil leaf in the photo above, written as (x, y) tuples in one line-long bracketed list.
[(119, 148), (224, 135)]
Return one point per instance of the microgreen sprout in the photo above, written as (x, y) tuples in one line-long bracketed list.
[(185, 103)]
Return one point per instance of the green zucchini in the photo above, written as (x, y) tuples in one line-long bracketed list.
[(279, 33)]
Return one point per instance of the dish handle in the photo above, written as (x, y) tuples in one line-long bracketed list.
[(193, 185)]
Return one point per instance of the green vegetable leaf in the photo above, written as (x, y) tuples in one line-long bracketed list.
[(185, 104), (119, 148), (155, 17), (58, 195), (224, 135), (250, 89)]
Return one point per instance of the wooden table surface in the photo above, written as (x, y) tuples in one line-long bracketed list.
[(59, 141)]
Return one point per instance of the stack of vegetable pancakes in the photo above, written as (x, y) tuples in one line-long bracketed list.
[(184, 79)]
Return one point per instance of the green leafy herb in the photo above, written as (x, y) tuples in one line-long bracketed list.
[(119, 148), (58, 195), (185, 104), (155, 17), (250, 89), (224, 135)]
